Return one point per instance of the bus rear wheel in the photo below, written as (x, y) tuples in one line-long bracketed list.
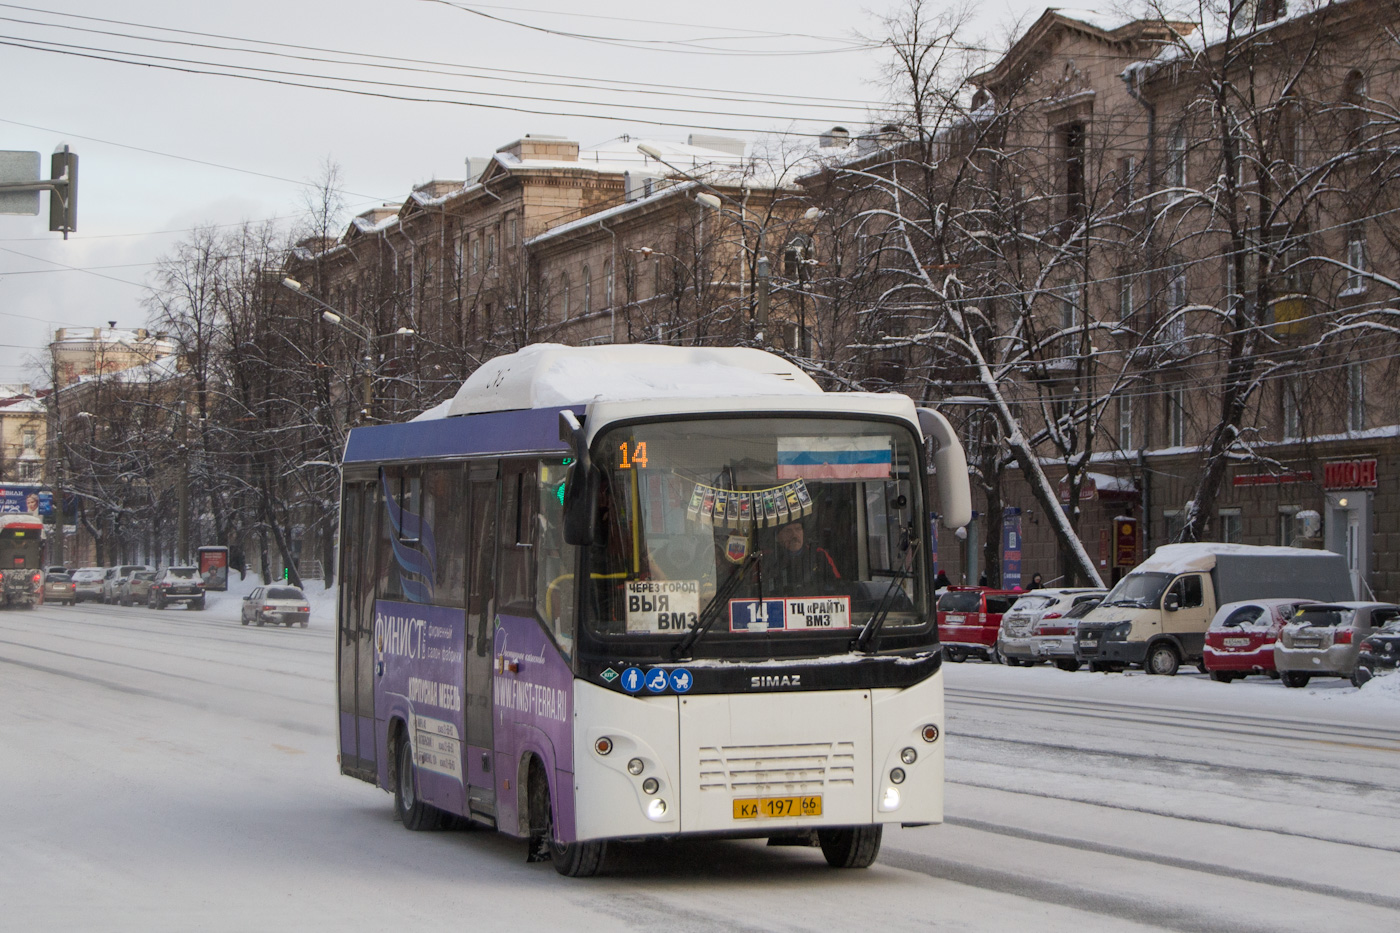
[(852, 846), (412, 812)]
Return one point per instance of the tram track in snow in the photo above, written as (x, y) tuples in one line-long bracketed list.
[(1251, 725), (1229, 770)]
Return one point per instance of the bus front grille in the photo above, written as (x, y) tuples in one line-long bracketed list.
[(761, 769)]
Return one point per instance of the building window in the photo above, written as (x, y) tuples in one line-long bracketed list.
[(1231, 526), (1127, 181), (491, 249), (1355, 115), (1356, 264), (1292, 419), (587, 292), (30, 439), (1072, 138), (1126, 304), (1356, 397), (1071, 305), (1176, 416), (564, 296), (1176, 157), (476, 254), (512, 231), (1175, 522), (1125, 422), (1287, 524), (608, 284), (1175, 330)]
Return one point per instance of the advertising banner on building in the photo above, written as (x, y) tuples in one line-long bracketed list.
[(20, 498), (1011, 548)]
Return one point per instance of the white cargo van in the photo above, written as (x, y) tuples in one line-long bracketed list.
[(1157, 616)]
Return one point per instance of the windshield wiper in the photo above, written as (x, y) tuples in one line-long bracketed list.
[(710, 613), (877, 618)]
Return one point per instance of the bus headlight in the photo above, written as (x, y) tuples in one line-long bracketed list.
[(636, 767), (908, 756), (651, 786), (896, 775), (891, 799), (656, 809)]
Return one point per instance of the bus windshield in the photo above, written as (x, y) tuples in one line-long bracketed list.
[(774, 527)]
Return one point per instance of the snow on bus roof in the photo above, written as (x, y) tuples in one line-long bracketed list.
[(548, 375)]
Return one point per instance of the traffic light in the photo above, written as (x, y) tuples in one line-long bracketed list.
[(63, 199)]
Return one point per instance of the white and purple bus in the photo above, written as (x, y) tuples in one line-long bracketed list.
[(618, 592)]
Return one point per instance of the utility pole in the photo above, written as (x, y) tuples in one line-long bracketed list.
[(182, 495)]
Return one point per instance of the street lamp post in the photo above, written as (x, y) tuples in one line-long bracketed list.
[(331, 316)]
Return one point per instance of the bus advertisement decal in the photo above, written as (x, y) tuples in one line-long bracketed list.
[(661, 606), (420, 655)]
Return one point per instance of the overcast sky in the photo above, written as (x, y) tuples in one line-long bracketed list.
[(165, 145)]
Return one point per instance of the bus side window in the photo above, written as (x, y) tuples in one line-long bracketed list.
[(518, 498), (445, 519), (555, 587)]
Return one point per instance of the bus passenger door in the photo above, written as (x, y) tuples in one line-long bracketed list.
[(355, 633), (480, 639)]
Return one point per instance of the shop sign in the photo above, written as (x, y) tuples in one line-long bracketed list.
[(1125, 547), (1350, 474), (1272, 479), (1011, 548)]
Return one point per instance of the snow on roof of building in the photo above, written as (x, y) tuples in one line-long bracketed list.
[(553, 375)]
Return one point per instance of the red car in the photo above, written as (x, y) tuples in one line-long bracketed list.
[(969, 618), (1240, 640)]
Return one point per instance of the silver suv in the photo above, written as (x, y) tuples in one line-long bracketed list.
[(115, 577), (1038, 627)]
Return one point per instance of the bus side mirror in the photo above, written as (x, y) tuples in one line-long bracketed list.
[(950, 466), (581, 484)]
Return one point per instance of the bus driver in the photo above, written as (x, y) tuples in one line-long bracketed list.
[(799, 568)]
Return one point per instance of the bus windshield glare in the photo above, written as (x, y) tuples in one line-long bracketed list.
[(776, 527)]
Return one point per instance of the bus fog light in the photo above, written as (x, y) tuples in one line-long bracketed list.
[(651, 786), (896, 775), (929, 732), (603, 745), (908, 756), (891, 799), (656, 809), (635, 767)]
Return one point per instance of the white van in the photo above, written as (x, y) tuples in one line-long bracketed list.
[(1157, 616)]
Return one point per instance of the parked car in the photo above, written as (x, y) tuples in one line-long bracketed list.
[(1157, 616), (274, 604), (1036, 629), (1324, 639), (1240, 640), (113, 578), (136, 588), (969, 618), (1378, 652), (87, 583), (59, 588), (177, 585)]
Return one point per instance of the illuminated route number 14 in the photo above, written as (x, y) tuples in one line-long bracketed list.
[(638, 455)]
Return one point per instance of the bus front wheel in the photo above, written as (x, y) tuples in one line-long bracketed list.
[(852, 846), (571, 859), (412, 812)]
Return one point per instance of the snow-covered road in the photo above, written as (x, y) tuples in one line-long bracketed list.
[(176, 771)]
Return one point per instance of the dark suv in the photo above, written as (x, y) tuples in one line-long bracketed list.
[(177, 585)]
